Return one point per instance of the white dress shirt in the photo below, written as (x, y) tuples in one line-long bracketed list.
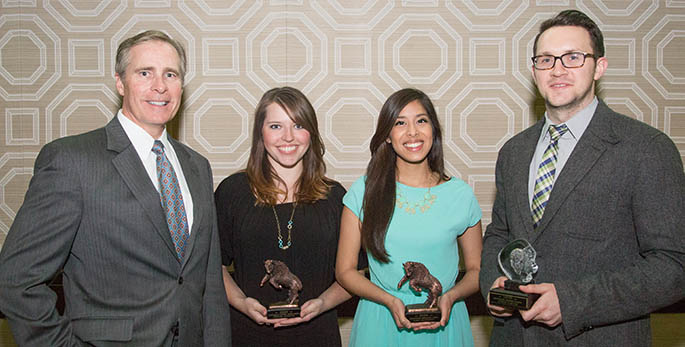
[(567, 142), (143, 142)]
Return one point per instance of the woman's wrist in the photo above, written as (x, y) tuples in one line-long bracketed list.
[(324, 303), (451, 295), (389, 300), (242, 304)]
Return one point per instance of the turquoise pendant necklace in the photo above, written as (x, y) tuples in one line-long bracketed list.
[(289, 226)]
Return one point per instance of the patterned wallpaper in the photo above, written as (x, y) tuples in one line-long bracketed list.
[(347, 56)]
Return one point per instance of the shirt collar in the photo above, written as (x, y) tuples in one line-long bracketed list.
[(578, 123), (141, 140)]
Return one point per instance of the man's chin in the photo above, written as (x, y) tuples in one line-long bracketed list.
[(563, 105)]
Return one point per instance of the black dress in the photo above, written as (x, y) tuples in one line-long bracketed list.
[(249, 236)]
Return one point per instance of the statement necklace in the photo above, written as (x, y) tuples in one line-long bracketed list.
[(290, 228), (410, 206)]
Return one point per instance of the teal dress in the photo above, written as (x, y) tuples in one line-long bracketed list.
[(428, 236)]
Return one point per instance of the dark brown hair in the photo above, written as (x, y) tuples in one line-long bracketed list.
[(576, 19), (124, 50), (379, 194), (312, 184)]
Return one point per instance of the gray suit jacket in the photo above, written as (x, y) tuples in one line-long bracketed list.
[(611, 238), (92, 211)]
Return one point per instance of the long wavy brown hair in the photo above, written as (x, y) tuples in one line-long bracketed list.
[(379, 194), (312, 184)]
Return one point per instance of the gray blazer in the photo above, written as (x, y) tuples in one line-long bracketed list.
[(611, 238), (92, 211)]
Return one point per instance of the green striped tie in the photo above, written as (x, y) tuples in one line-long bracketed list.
[(544, 180)]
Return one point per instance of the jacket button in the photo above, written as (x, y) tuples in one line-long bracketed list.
[(180, 280)]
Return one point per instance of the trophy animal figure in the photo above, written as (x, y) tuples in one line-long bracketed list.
[(420, 278), (523, 263), (279, 276)]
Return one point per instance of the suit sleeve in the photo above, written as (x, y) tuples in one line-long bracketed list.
[(36, 248), (497, 232), (215, 309), (657, 277)]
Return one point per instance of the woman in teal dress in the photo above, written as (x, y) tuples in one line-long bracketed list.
[(407, 209)]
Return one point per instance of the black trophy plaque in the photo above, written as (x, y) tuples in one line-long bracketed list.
[(517, 261), (420, 278), (279, 276)]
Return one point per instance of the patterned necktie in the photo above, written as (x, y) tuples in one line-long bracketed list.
[(544, 180), (172, 200)]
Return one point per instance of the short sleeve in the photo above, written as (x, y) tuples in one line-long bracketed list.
[(354, 197), (475, 213), (335, 198), (337, 192), (468, 205)]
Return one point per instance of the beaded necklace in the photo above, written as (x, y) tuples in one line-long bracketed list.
[(289, 227), (410, 207)]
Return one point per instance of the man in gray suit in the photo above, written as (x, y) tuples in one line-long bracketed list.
[(128, 214), (600, 196)]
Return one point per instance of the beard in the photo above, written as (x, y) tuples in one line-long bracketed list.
[(574, 105)]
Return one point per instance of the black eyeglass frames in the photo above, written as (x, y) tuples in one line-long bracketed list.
[(569, 60)]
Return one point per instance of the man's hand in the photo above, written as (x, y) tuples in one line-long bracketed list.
[(546, 309), (498, 311)]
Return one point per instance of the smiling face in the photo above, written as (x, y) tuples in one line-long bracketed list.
[(412, 135), (285, 141), (567, 90), (152, 86)]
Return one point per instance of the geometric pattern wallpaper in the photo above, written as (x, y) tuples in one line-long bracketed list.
[(347, 56)]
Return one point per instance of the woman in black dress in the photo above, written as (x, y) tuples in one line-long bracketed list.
[(282, 207)]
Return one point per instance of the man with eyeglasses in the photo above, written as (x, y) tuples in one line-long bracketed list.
[(601, 198)]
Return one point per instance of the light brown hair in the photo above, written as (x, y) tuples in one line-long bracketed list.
[(312, 184)]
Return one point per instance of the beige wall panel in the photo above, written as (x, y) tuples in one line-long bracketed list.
[(471, 57), (56, 72)]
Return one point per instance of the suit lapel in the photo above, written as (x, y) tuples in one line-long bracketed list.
[(128, 165), (588, 150), (522, 173), (192, 176)]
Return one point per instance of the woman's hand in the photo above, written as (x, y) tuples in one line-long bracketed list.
[(257, 312), (247, 305), (330, 298), (445, 303), (396, 307), (308, 311)]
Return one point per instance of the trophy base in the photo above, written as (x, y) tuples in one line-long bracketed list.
[(422, 313), (282, 309), (511, 297)]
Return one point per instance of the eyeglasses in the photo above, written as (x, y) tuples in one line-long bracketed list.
[(570, 60)]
